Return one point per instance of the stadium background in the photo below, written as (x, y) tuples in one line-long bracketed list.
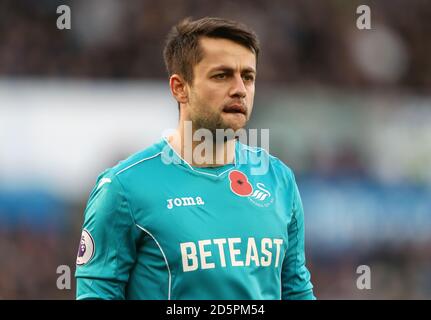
[(348, 110)]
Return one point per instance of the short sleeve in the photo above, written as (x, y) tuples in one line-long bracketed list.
[(107, 248), (296, 279)]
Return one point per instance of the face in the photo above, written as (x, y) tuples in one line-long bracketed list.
[(222, 92)]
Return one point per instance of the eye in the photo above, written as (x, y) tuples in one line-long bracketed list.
[(248, 77), (220, 76)]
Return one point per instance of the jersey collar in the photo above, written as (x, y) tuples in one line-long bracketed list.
[(215, 172)]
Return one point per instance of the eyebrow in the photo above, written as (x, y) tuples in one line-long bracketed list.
[(229, 69)]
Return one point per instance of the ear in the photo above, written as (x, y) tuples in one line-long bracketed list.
[(179, 88)]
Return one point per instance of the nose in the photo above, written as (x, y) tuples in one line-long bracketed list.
[(238, 89)]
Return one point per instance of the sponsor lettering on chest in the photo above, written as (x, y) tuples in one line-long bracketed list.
[(184, 202), (203, 254)]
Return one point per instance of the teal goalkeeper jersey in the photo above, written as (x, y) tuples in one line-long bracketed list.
[(157, 228)]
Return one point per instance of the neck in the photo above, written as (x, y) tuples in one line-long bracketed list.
[(205, 151)]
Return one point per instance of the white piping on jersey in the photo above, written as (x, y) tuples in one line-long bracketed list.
[(201, 172), (103, 181), (256, 150), (166, 260), (134, 164)]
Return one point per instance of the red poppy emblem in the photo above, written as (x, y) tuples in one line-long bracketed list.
[(239, 183)]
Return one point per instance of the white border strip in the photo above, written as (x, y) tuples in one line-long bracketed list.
[(134, 164), (166, 260)]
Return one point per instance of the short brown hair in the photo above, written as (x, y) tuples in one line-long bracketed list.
[(182, 49)]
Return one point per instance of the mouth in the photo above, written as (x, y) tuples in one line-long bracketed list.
[(235, 109)]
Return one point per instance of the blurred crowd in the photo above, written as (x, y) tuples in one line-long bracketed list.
[(395, 273), (29, 262), (303, 41)]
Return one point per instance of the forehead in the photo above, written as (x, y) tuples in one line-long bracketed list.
[(225, 52)]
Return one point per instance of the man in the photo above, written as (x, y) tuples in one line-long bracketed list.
[(172, 223)]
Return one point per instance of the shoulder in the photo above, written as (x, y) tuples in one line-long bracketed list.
[(261, 155), (114, 183), (144, 159)]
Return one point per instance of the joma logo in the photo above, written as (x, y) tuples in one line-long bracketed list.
[(184, 202)]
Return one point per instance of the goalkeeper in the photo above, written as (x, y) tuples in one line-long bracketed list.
[(169, 223)]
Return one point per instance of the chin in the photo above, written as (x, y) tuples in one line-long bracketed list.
[(235, 126)]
